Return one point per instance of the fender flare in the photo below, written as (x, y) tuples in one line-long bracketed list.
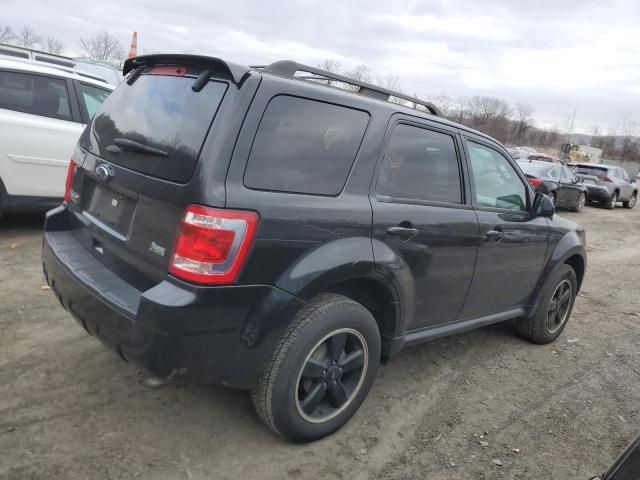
[(566, 248)]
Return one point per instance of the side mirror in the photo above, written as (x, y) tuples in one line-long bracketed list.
[(543, 206)]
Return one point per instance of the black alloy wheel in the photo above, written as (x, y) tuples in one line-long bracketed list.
[(332, 375), (559, 306)]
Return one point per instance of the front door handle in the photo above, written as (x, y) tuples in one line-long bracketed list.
[(495, 235), (404, 233)]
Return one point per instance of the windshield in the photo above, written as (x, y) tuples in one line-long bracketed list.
[(161, 112)]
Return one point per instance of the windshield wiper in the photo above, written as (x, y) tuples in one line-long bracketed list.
[(127, 144)]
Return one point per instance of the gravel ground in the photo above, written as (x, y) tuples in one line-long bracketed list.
[(480, 405)]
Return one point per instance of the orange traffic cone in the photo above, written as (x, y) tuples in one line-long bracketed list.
[(133, 51)]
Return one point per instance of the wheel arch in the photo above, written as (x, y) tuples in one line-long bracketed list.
[(380, 298)]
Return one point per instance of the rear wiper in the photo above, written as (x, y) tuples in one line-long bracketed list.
[(127, 144)]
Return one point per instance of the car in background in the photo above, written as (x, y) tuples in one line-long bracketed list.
[(557, 181), (607, 184), (524, 152), (43, 110), (82, 66), (543, 157)]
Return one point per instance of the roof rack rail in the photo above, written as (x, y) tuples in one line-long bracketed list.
[(289, 68)]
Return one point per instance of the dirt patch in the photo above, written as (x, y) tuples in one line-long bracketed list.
[(481, 405)]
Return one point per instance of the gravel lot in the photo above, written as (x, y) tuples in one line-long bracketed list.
[(451, 409)]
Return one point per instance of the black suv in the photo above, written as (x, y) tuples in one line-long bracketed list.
[(267, 229)]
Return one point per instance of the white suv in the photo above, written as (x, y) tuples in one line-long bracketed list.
[(43, 110)]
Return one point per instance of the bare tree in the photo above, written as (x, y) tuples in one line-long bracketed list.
[(6, 34), (332, 66), (361, 73), (28, 38), (103, 47), (53, 45)]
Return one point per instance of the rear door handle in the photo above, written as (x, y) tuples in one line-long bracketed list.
[(495, 235), (404, 233)]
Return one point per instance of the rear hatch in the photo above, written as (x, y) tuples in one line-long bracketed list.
[(134, 165)]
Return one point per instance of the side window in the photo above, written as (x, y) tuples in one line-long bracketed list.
[(420, 164), (304, 146), (555, 173), (92, 98), (625, 175), (35, 94), (497, 185), (568, 175)]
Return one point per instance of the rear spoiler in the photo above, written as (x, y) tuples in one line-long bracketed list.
[(237, 72)]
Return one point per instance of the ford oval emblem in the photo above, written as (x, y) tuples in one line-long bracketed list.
[(103, 172)]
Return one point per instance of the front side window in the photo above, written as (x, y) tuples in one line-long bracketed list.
[(496, 183), (92, 98), (420, 164), (304, 146), (35, 94)]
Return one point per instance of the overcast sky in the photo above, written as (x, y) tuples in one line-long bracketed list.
[(555, 55)]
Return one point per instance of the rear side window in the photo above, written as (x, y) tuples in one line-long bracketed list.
[(158, 111), (35, 94), (304, 146), (420, 164), (92, 98)]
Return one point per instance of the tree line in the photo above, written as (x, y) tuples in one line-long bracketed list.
[(510, 124), (101, 47)]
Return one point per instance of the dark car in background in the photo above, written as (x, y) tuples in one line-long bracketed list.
[(557, 181), (607, 184)]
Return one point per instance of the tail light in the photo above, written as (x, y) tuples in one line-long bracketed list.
[(534, 182), (212, 244), (607, 179), (71, 171)]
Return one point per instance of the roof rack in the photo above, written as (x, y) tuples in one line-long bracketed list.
[(289, 68)]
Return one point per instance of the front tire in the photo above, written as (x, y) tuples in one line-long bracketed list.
[(321, 371), (632, 201), (552, 313)]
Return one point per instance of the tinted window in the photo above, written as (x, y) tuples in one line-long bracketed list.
[(92, 97), (496, 182), (34, 94), (304, 146), (159, 111), (420, 164)]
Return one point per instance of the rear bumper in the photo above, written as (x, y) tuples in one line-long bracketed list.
[(177, 331)]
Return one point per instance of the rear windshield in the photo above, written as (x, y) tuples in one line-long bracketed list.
[(595, 171), (534, 168), (161, 112)]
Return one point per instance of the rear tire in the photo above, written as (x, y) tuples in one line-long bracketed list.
[(315, 381), (551, 315), (580, 204), (611, 204), (552, 196), (632, 201)]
